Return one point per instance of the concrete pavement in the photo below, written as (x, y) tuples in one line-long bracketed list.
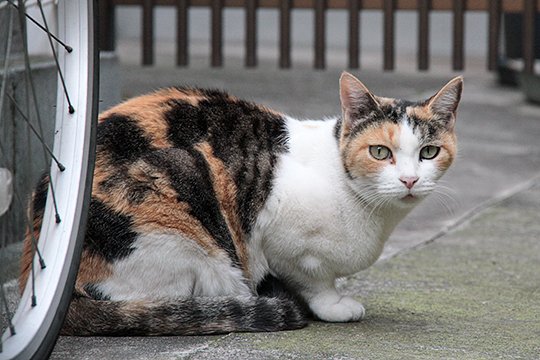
[(472, 294), (460, 283)]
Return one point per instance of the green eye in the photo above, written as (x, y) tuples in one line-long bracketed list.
[(429, 152), (380, 152)]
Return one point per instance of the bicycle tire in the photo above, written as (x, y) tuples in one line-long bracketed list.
[(37, 328)]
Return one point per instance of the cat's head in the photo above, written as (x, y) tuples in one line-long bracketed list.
[(394, 151)]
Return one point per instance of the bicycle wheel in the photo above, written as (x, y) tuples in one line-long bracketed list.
[(32, 320)]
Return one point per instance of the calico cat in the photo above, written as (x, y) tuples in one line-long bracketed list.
[(210, 214)]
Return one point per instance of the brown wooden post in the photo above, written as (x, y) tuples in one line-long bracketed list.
[(389, 7), (106, 25), (148, 32), (182, 53), (320, 34), (494, 33), (285, 34), (458, 39), (423, 34), (217, 33), (529, 16), (354, 34), (251, 33)]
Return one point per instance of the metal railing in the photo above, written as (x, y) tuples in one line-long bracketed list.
[(494, 8)]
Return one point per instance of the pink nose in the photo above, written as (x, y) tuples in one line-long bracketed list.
[(408, 181)]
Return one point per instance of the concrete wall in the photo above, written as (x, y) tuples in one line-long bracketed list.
[(21, 152)]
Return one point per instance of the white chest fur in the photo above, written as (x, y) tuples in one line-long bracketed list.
[(313, 229), (313, 226)]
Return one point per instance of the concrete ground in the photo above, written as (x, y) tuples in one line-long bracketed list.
[(473, 294), (459, 278)]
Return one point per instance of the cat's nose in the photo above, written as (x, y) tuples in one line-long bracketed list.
[(408, 181)]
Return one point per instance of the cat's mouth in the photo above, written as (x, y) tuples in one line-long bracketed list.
[(409, 198)]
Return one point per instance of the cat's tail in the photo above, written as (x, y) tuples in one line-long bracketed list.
[(186, 316)]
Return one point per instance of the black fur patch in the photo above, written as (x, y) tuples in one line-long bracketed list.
[(108, 233), (94, 293), (235, 311), (121, 138), (189, 176), (337, 128), (246, 138), (187, 124), (272, 287), (428, 131), (366, 119), (40, 195)]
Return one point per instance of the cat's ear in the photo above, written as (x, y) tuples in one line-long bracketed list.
[(445, 102), (357, 102)]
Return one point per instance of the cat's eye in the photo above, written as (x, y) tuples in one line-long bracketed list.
[(429, 152), (380, 152)]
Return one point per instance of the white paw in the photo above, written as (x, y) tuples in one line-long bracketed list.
[(347, 309)]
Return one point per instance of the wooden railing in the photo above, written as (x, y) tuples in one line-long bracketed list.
[(495, 9)]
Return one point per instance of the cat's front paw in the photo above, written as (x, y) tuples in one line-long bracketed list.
[(345, 310)]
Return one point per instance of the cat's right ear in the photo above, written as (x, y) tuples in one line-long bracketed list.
[(445, 102), (357, 102)]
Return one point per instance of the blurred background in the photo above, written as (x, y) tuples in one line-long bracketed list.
[(406, 36), (288, 54), (129, 32), (429, 296)]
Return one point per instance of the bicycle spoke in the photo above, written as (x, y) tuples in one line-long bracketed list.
[(27, 218), (6, 61), (5, 75), (71, 109), (35, 248), (49, 151), (30, 123), (30, 82), (57, 218), (6, 309), (21, 204), (67, 47)]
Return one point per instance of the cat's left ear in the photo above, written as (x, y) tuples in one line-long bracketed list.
[(444, 104)]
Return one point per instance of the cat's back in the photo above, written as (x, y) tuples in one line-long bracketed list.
[(184, 160), (183, 117)]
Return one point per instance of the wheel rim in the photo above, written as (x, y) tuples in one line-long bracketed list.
[(72, 139)]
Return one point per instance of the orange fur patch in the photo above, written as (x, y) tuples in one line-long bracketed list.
[(448, 151), (102, 172), (28, 244), (148, 111), (226, 192), (384, 101), (28, 254), (421, 112), (160, 211), (356, 152), (270, 110), (92, 270), (448, 141)]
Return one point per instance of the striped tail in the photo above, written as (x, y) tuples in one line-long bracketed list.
[(186, 316)]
